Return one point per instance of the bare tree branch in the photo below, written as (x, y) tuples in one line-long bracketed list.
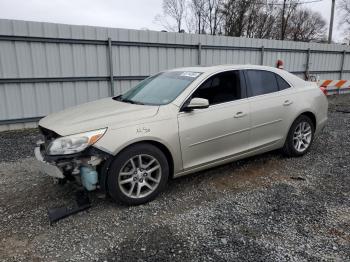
[(270, 19), (174, 9)]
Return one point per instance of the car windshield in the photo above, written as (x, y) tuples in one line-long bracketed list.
[(159, 89)]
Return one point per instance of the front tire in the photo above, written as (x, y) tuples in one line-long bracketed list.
[(138, 174), (300, 137)]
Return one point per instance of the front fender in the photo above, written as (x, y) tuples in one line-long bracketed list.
[(164, 132)]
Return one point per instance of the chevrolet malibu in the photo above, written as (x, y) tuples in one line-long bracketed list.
[(178, 122)]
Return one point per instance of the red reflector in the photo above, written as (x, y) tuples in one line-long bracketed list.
[(324, 90)]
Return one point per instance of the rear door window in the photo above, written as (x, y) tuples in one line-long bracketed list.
[(261, 82)]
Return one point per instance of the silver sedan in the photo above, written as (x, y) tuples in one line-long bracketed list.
[(178, 122)]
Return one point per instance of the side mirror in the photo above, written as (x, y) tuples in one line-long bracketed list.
[(197, 103)]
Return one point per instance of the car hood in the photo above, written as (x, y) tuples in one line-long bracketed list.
[(95, 115)]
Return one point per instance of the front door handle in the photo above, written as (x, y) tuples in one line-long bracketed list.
[(239, 114), (287, 102)]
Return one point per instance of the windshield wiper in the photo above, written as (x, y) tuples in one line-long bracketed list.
[(131, 101)]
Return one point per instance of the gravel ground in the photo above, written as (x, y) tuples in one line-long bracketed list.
[(263, 208)]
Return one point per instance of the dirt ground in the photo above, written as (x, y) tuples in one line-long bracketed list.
[(265, 208)]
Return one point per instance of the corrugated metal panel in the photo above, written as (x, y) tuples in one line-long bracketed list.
[(54, 59)]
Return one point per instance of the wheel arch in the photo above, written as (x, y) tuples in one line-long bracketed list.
[(165, 151), (307, 113), (106, 164), (310, 115), (286, 148)]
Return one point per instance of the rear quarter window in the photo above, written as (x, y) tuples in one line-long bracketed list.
[(282, 84)]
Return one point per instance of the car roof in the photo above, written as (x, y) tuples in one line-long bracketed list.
[(208, 70)]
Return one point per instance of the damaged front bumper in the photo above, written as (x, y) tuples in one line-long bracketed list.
[(82, 167), (46, 167)]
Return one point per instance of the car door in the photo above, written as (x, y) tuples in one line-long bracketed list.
[(269, 107), (222, 129)]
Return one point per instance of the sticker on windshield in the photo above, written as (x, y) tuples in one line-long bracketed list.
[(190, 74)]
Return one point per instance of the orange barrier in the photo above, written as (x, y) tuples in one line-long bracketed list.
[(335, 87)]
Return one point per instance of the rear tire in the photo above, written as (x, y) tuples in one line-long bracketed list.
[(300, 137), (138, 174)]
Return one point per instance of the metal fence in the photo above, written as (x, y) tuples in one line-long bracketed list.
[(46, 67)]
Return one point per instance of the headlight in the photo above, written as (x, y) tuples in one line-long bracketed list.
[(75, 143)]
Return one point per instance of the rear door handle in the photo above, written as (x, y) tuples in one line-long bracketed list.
[(287, 102), (239, 114)]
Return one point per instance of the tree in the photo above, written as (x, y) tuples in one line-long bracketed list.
[(234, 16), (269, 19), (174, 9), (306, 26), (287, 11), (198, 11), (213, 15), (250, 18), (265, 24), (344, 7)]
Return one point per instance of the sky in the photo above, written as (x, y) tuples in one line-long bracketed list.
[(133, 14)]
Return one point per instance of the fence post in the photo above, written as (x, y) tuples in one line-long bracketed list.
[(199, 53), (110, 66), (342, 65), (307, 66), (262, 56)]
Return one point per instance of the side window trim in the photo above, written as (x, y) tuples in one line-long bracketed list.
[(247, 87), (243, 84), (278, 85)]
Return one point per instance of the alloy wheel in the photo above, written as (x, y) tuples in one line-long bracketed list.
[(302, 136), (139, 176)]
